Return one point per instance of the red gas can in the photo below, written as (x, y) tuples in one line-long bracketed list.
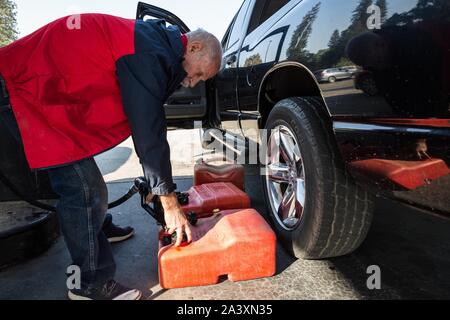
[(210, 197), (407, 174), (206, 173), (237, 243)]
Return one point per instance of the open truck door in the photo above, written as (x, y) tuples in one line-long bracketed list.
[(185, 105)]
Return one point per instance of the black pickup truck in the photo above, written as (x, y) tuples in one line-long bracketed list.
[(330, 146)]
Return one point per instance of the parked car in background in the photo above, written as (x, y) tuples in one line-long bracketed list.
[(333, 74), (352, 69)]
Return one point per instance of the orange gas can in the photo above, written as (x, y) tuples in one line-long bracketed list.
[(207, 198), (407, 174), (237, 243), (206, 173)]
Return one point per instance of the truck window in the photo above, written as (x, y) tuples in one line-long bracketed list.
[(227, 34), (237, 31), (263, 10)]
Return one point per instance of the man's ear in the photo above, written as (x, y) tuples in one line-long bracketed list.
[(195, 46)]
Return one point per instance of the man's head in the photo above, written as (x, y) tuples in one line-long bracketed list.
[(203, 57)]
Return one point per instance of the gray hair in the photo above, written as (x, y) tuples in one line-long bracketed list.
[(212, 45)]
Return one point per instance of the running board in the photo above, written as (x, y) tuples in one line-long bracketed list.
[(229, 137)]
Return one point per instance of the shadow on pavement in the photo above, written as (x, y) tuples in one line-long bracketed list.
[(113, 159), (412, 250)]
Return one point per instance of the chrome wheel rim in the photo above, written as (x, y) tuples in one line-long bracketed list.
[(285, 178)]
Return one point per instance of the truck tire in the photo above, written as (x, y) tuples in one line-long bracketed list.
[(315, 207)]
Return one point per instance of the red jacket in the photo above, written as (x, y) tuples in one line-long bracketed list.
[(77, 92), (63, 89)]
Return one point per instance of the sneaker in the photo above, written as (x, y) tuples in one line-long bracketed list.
[(112, 290), (115, 233)]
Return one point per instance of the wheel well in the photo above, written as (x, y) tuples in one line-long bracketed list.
[(285, 81)]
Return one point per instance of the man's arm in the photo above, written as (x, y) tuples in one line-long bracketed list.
[(143, 82)]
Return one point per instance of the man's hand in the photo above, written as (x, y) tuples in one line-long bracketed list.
[(175, 218)]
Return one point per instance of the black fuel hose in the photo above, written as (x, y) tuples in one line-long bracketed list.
[(132, 191)]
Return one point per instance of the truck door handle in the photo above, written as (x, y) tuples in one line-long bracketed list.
[(231, 59), (250, 73)]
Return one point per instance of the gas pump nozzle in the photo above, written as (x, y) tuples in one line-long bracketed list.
[(141, 184), (157, 211)]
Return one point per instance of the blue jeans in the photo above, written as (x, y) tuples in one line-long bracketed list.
[(82, 206)]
